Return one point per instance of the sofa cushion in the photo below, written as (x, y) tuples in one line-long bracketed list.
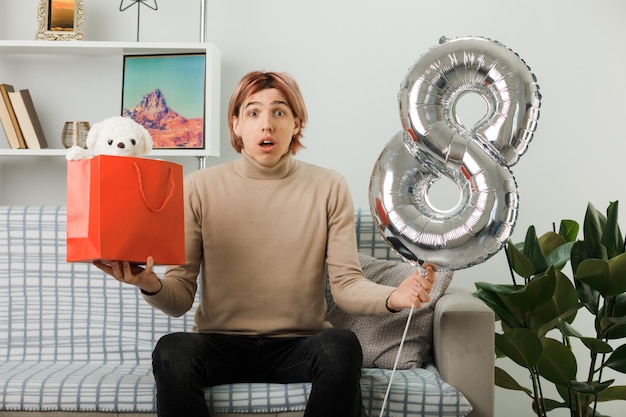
[(77, 385), (414, 393), (380, 336)]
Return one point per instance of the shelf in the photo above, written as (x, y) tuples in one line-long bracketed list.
[(82, 80), (63, 152), (98, 48), (13, 51)]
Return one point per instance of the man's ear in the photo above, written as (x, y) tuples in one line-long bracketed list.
[(236, 125), (296, 128)]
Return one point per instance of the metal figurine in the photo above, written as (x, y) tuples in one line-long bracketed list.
[(129, 3)]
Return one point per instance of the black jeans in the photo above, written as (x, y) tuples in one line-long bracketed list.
[(185, 363)]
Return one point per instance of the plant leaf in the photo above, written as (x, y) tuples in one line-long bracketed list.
[(494, 288), (532, 251), (593, 227), (593, 344), (578, 254), (566, 315), (537, 292), (557, 363), (506, 381), (592, 388), (560, 255), (549, 241), (606, 277), (612, 236), (553, 405), (564, 299), (614, 327), (489, 294), (521, 345), (568, 396), (518, 262), (588, 296), (617, 392), (617, 360), (569, 230)]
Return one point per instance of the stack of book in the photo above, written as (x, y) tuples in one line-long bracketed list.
[(19, 119)]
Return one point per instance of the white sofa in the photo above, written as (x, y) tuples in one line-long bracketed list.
[(74, 342)]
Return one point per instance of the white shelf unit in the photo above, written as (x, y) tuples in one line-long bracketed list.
[(82, 80), (81, 53)]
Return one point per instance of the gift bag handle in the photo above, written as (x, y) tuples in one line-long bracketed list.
[(143, 194)]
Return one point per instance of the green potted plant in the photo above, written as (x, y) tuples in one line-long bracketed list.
[(538, 313)]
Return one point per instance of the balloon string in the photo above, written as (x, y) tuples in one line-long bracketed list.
[(395, 365)]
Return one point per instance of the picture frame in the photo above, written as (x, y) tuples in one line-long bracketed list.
[(60, 20), (166, 93)]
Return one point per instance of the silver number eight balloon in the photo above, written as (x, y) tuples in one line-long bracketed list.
[(434, 145)]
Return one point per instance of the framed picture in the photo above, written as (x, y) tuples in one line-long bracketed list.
[(60, 20), (165, 93)]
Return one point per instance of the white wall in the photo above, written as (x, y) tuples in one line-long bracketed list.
[(350, 56)]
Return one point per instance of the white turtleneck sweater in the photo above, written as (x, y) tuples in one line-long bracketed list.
[(260, 239)]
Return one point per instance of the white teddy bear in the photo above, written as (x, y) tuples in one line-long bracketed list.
[(117, 135)]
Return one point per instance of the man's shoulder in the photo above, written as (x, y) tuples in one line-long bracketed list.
[(217, 170), (317, 171)]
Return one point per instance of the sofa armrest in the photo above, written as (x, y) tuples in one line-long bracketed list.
[(463, 345)]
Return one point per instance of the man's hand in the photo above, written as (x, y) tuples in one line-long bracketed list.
[(132, 274), (414, 290)]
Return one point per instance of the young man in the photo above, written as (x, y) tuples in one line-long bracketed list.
[(261, 233)]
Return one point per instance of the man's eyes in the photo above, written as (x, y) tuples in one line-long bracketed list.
[(278, 112)]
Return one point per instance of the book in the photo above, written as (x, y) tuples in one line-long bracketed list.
[(28, 120), (8, 119)]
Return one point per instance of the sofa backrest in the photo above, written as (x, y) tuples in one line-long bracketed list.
[(368, 239), (45, 301)]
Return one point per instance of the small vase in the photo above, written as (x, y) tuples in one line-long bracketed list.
[(75, 133)]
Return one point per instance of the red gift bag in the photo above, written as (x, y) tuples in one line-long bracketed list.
[(125, 209)]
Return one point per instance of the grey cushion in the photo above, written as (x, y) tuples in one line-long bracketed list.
[(380, 336)]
